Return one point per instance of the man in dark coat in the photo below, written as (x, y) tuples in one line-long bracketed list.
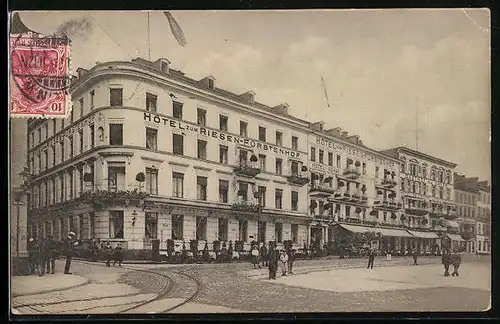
[(31, 255), (51, 247), (69, 243), (43, 256), (446, 261), (263, 254), (371, 259), (118, 255), (272, 259), (108, 250), (415, 256), (456, 260), (291, 259)]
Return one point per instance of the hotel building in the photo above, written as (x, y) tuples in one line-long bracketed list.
[(466, 199), (353, 189), (150, 154), (483, 218), (427, 188)]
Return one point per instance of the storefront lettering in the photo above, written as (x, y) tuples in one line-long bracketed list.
[(220, 135), (323, 169), (352, 151)]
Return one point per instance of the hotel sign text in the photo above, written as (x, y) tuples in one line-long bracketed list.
[(221, 136), (353, 152), (323, 169)]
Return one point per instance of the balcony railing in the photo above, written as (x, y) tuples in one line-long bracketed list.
[(388, 183), (246, 170), (417, 210), (246, 207), (321, 190), (297, 179), (388, 204), (351, 172)]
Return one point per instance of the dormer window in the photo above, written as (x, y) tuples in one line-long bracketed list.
[(211, 84), (251, 98), (165, 66)]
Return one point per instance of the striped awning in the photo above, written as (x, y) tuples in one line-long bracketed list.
[(393, 232), (455, 237), (426, 235), (357, 228)]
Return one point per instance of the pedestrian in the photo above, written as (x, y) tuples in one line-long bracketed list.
[(31, 255), (283, 262), (446, 261), (371, 259), (254, 252), (69, 244), (108, 250), (230, 252), (388, 254), (263, 254), (272, 261), (118, 255), (415, 257), (291, 259), (456, 261), (51, 247)]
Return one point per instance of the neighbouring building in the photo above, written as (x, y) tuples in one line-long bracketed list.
[(466, 200), (354, 189), (150, 154), (483, 218), (427, 188)]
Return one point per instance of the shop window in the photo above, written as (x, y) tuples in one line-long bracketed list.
[(201, 228), (243, 230), (295, 233), (177, 227), (223, 229), (151, 226), (116, 224)]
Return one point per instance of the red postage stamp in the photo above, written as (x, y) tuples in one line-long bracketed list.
[(40, 76)]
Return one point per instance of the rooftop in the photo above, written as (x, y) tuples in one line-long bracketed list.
[(394, 152)]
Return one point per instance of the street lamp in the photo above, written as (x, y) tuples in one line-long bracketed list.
[(17, 201)]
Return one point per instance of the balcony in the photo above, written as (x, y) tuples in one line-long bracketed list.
[(246, 207), (336, 197), (387, 183), (417, 210), (246, 170), (319, 190), (390, 204), (297, 180), (102, 198), (351, 173)]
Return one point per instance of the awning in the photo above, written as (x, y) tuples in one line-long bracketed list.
[(452, 224), (357, 228), (426, 235), (393, 232), (455, 237)]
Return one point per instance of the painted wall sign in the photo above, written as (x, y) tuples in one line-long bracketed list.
[(323, 169), (221, 136), (344, 149)]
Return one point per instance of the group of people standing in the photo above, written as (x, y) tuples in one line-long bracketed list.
[(454, 259), (273, 259), (42, 254)]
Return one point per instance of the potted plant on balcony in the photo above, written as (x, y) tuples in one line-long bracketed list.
[(358, 210), (357, 164), (241, 193), (341, 184), (373, 212), (380, 192), (393, 215), (254, 158), (304, 168)]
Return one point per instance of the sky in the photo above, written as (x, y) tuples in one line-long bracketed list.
[(380, 67)]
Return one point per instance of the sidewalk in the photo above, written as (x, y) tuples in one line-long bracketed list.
[(31, 285)]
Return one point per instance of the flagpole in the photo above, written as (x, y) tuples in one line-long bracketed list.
[(149, 40)]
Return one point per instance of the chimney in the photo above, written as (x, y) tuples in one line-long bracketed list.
[(248, 97), (282, 108), (208, 82)]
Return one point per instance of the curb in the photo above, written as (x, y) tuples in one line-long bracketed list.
[(86, 282)]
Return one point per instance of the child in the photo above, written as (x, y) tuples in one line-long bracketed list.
[(283, 262)]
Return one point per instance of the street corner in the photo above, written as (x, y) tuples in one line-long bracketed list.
[(31, 285)]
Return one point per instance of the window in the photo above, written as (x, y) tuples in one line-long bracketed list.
[(338, 161), (151, 226), (53, 149), (151, 101), (92, 95), (261, 231), (295, 200), (164, 67), (313, 154), (152, 181), (92, 135), (223, 229), (201, 186), (279, 166), (363, 168), (39, 132), (243, 230), (116, 224), (279, 138), (202, 149), (202, 117), (151, 138), (223, 191), (91, 171), (116, 178), (243, 157), (330, 158), (243, 129), (201, 228), (211, 84), (46, 157), (177, 227), (54, 130), (262, 162), (177, 110), (295, 233), (70, 139), (223, 123), (262, 196), (178, 142), (82, 183), (223, 154), (278, 195), (321, 155), (243, 191), (278, 232), (46, 129), (81, 106), (177, 185), (262, 133), (377, 169), (295, 143), (115, 134), (80, 227), (62, 193), (116, 97), (295, 168), (80, 138)]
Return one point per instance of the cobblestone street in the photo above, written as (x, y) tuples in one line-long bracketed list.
[(316, 286)]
